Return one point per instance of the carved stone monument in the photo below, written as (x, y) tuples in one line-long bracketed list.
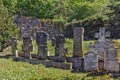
[(27, 47), (111, 59), (42, 40), (14, 44), (60, 49), (78, 42), (101, 45), (91, 60), (77, 59)]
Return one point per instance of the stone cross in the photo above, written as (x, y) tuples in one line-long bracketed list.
[(42, 40), (102, 34), (78, 42), (27, 47), (14, 44)]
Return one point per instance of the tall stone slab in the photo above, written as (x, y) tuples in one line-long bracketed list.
[(42, 40), (111, 63), (78, 42), (77, 59), (27, 47), (14, 44)]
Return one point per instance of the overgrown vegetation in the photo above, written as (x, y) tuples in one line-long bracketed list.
[(58, 9), (7, 28)]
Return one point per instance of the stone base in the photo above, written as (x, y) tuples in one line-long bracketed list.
[(57, 58), (78, 63), (111, 66), (67, 66), (32, 55), (101, 65)]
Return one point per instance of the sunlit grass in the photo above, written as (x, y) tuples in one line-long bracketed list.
[(11, 70)]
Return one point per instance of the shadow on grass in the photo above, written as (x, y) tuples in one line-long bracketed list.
[(6, 56), (89, 74)]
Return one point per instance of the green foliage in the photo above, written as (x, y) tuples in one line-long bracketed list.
[(7, 29), (115, 12), (58, 9), (86, 8)]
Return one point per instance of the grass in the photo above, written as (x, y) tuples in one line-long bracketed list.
[(11, 70)]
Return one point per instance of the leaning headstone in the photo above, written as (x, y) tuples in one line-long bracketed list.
[(78, 42), (27, 47), (111, 59), (91, 60), (14, 44), (42, 40)]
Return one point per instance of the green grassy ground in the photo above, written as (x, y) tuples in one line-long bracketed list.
[(11, 70)]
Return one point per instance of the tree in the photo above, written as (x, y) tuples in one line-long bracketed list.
[(7, 28)]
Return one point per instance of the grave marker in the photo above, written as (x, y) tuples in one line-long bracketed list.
[(42, 40), (111, 59), (14, 44), (27, 47), (78, 42), (91, 60)]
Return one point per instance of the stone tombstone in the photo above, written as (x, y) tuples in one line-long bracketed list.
[(102, 34), (78, 64), (111, 59), (14, 44), (42, 40), (27, 47), (100, 49), (78, 42), (60, 49), (91, 60), (101, 44)]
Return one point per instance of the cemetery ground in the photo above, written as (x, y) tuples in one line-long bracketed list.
[(12, 70)]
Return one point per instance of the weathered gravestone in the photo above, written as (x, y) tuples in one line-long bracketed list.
[(77, 59), (78, 42), (111, 59), (42, 40), (27, 47), (91, 60), (60, 50), (14, 44), (101, 45)]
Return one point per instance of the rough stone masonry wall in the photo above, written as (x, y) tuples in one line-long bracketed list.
[(91, 26)]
